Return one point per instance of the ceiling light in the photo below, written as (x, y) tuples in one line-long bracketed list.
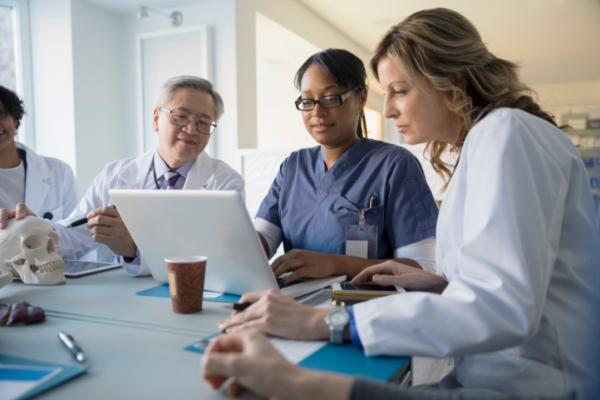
[(176, 17)]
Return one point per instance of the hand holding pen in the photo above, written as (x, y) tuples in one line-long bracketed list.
[(241, 306), (107, 227), (81, 221), (277, 314)]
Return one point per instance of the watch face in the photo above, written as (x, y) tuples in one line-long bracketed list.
[(339, 318)]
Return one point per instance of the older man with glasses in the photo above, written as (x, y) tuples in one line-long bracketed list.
[(185, 117)]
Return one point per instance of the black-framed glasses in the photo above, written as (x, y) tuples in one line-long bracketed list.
[(183, 118), (332, 101)]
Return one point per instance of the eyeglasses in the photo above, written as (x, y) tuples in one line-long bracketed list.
[(325, 102), (183, 118)]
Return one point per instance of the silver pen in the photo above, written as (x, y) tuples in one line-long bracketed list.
[(72, 346)]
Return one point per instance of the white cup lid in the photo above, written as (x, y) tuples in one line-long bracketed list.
[(185, 259)]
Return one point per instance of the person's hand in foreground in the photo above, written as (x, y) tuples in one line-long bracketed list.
[(21, 211), (279, 315), (255, 364), (392, 273)]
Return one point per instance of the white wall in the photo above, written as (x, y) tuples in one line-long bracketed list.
[(297, 19), (52, 71), (279, 53), (569, 97), (78, 83), (98, 86)]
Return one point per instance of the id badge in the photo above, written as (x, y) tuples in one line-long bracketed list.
[(361, 239)]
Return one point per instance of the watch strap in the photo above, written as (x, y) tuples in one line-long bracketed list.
[(336, 334)]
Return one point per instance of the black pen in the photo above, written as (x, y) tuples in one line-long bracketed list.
[(72, 346), (82, 221), (78, 222), (241, 306)]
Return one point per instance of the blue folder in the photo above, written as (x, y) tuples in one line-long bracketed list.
[(163, 291), (67, 373), (344, 359), (350, 360)]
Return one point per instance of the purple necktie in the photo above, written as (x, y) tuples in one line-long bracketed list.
[(171, 178)]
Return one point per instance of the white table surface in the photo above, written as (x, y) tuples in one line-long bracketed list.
[(133, 344)]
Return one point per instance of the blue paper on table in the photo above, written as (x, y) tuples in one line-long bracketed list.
[(163, 291), (22, 378), (344, 359), (350, 360)]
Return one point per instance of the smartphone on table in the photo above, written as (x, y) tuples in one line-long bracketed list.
[(350, 293)]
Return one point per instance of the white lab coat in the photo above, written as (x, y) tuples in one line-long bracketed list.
[(50, 186), (518, 243), (205, 173)]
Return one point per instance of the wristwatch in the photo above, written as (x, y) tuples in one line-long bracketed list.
[(337, 320)]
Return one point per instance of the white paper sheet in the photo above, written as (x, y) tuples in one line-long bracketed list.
[(211, 295), (296, 350)]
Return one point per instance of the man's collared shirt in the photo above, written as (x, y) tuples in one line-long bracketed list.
[(160, 168)]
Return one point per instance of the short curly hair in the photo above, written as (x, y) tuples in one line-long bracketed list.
[(12, 104)]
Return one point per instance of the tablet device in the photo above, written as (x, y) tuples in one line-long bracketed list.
[(348, 292), (77, 268)]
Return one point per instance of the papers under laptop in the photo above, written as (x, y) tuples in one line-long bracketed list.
[(215, 224)]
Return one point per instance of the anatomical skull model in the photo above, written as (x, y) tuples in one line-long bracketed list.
[(29, 248)]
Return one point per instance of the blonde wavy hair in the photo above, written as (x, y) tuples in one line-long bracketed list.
[(446, 49)]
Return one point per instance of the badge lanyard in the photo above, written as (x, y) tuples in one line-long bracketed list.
[(23, 157), (361, 239), (156, 184), (154, 175)]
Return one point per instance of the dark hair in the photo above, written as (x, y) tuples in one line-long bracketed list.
[(12, 104), (345, 68), (446, 49)]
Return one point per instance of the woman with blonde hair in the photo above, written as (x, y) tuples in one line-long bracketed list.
[(517, 240)]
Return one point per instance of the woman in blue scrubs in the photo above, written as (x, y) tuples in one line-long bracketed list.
[(322, 194)]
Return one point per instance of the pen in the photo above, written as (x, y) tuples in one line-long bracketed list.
[(78, 222), (82, 221), (372, 201), (241, 306), (237, 307), (72, 346)]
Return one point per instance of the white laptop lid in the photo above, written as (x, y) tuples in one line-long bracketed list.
[(215, 224)]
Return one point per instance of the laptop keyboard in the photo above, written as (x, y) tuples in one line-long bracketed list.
[(282, 283)]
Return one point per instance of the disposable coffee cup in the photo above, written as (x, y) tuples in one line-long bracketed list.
[(186, 282)]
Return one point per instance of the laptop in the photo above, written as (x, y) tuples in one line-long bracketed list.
[(215, 224)]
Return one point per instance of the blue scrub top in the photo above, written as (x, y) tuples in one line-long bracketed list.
[(313, 207)]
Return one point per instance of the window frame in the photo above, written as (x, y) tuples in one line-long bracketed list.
[(23, 72)]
